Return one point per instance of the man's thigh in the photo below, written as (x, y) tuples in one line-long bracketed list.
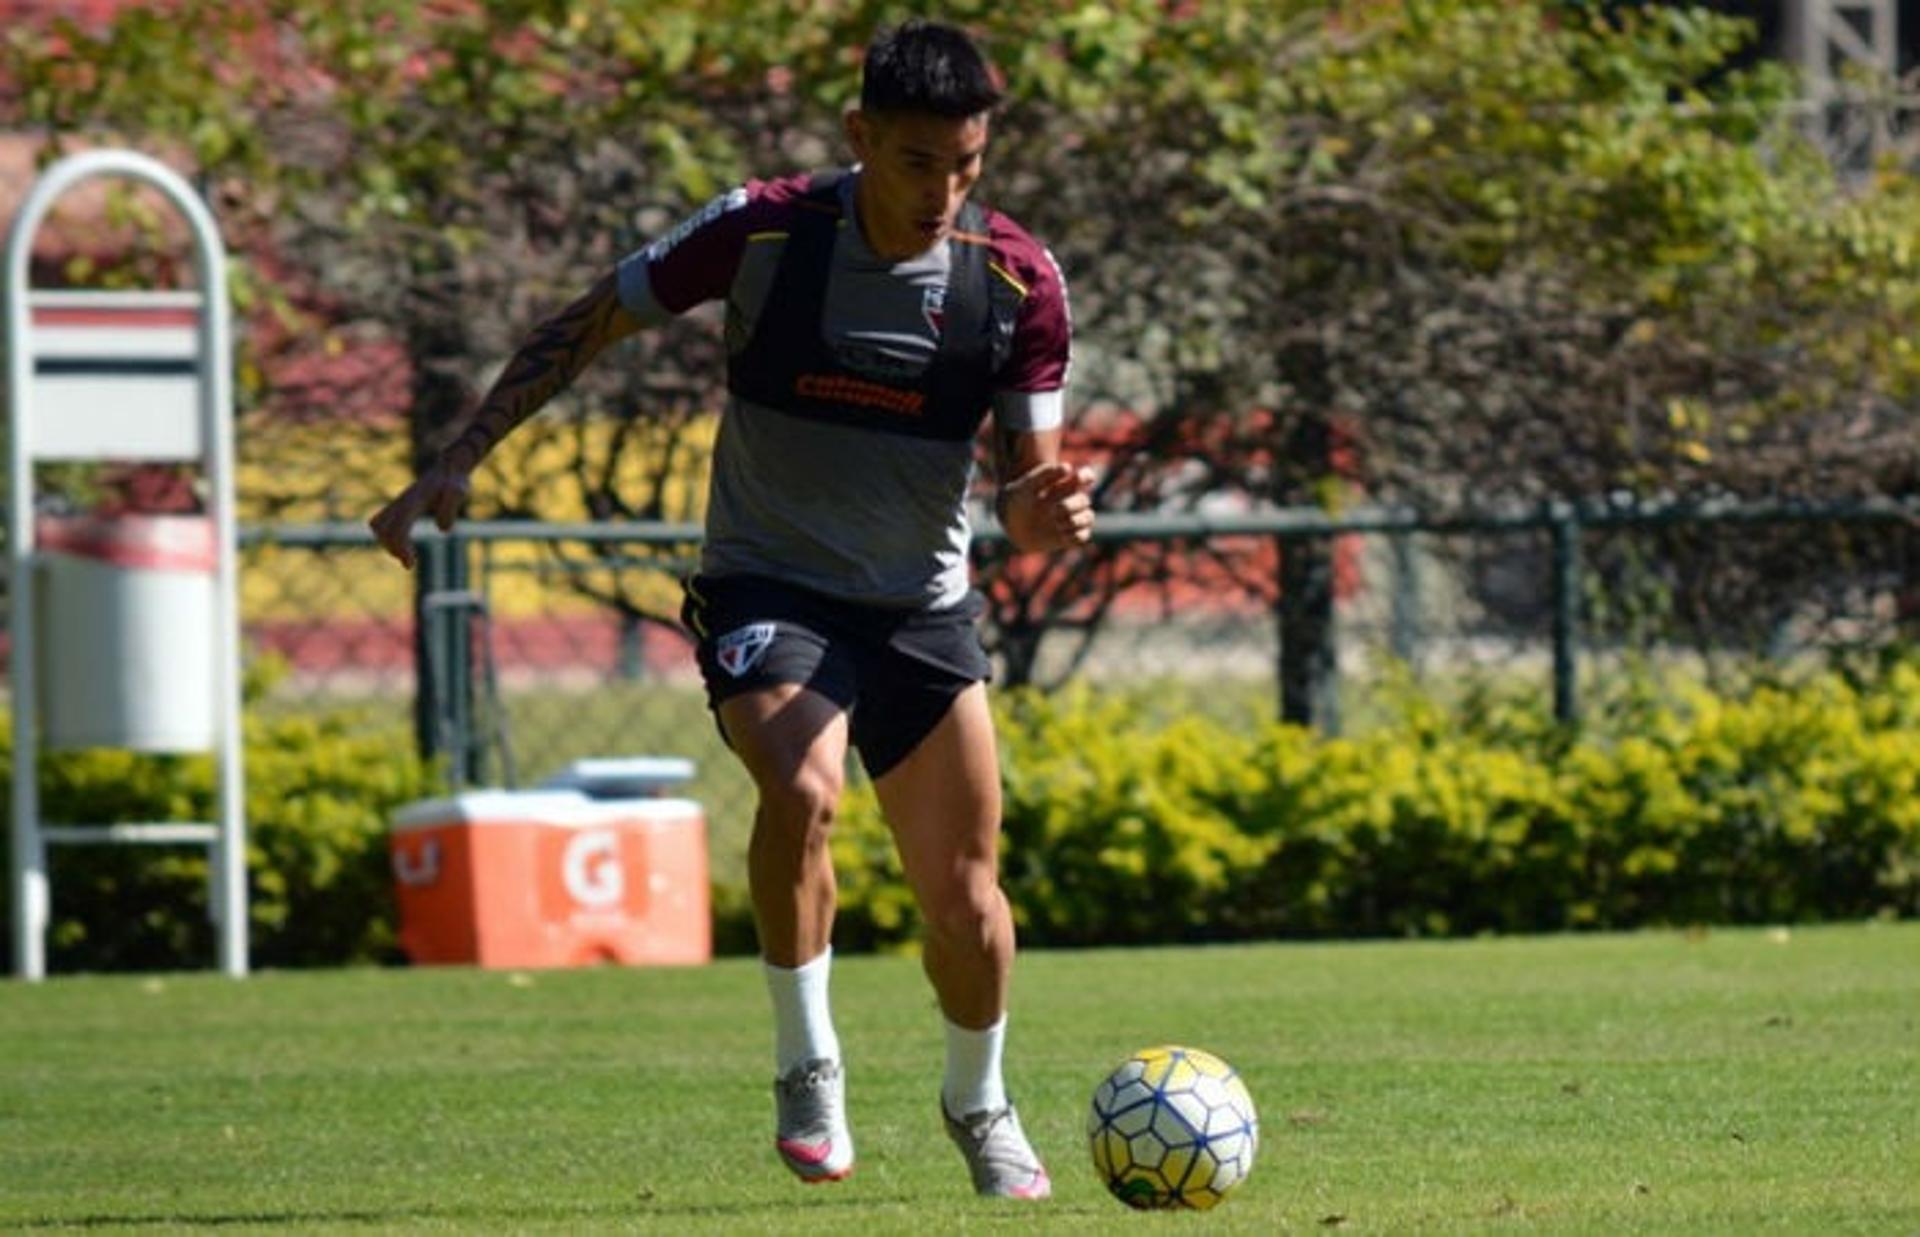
[(942, 800), (790, 738), (910, 683)]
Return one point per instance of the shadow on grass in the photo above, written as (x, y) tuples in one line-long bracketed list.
[(639, 1208)]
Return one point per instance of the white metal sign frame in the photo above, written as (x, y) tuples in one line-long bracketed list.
[(200, 428)]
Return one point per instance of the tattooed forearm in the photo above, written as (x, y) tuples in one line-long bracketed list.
[(550, 359)]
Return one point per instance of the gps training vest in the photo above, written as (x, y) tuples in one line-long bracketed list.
[(789, 366)]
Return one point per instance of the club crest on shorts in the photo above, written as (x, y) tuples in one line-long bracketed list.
[(741, 649)]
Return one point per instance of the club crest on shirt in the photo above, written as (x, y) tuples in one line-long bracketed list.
[(933, 307), (741, 649)]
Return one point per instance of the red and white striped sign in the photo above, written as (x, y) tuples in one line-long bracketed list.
[(115, 375)]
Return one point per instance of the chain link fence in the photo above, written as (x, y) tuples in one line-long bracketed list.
[(516, 664), (515, 668)]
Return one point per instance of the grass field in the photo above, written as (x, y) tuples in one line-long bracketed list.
[(1659, 1082)]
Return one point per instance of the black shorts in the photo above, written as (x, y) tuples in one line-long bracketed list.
[(895, 672)]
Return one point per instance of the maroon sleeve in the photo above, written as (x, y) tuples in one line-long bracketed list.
[(696, 262), (1042, 355)]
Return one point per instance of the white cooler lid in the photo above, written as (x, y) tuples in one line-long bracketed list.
[(615, 777), (560, 809)]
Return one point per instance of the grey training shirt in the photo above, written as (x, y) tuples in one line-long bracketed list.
[(857, 513)]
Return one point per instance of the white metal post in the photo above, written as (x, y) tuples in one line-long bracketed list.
[(215, 412), (29, 866)]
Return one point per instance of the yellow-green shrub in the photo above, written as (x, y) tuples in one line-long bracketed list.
[(320, 791), (1785, 804)]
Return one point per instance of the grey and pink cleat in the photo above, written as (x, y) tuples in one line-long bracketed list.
[(998, 1154), (810, 1130)]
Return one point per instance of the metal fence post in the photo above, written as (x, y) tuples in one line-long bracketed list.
[(426, 691), (457, 631), (1564, 521), (632, 659), (425, 711), (1309, 660), (443, 674), (1404, 616)]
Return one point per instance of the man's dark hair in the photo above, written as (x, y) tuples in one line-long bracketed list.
[(927, 67)]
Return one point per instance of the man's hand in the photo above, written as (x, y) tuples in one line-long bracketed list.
[(439, 492), (1048, 507)]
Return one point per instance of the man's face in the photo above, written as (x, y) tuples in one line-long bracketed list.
[(916, 170)]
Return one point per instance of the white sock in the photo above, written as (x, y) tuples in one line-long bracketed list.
[(802, 1020), (973, 1082)]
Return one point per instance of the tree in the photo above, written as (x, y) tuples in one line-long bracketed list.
[(1503, 252), (1511, 252)]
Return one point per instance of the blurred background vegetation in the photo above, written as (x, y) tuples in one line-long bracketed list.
[(1446, 256)]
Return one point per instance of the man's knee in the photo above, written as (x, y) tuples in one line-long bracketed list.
[(967, 910), (802, 806)]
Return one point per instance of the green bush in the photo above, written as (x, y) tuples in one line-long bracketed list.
[(1115, 832), (1787, 805), (320, 791), (1124, 825), (1781, 805)]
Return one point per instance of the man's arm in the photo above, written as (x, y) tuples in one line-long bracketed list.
[(1043, 503), (551, 358)]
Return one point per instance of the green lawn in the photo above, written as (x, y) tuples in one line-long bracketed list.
[(1658, 1082)]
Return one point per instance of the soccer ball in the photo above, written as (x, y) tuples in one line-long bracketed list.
[(1173, 1127)]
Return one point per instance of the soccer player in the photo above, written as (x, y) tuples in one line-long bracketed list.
[(874, 318)]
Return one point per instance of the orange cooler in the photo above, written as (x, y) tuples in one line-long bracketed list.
[(549, 878)]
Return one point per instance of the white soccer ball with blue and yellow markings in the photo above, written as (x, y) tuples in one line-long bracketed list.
[(1173, 1127)]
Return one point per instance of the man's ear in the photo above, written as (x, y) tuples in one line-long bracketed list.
[(859, 129)]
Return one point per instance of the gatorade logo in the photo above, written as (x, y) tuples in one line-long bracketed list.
[(591, 869)]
